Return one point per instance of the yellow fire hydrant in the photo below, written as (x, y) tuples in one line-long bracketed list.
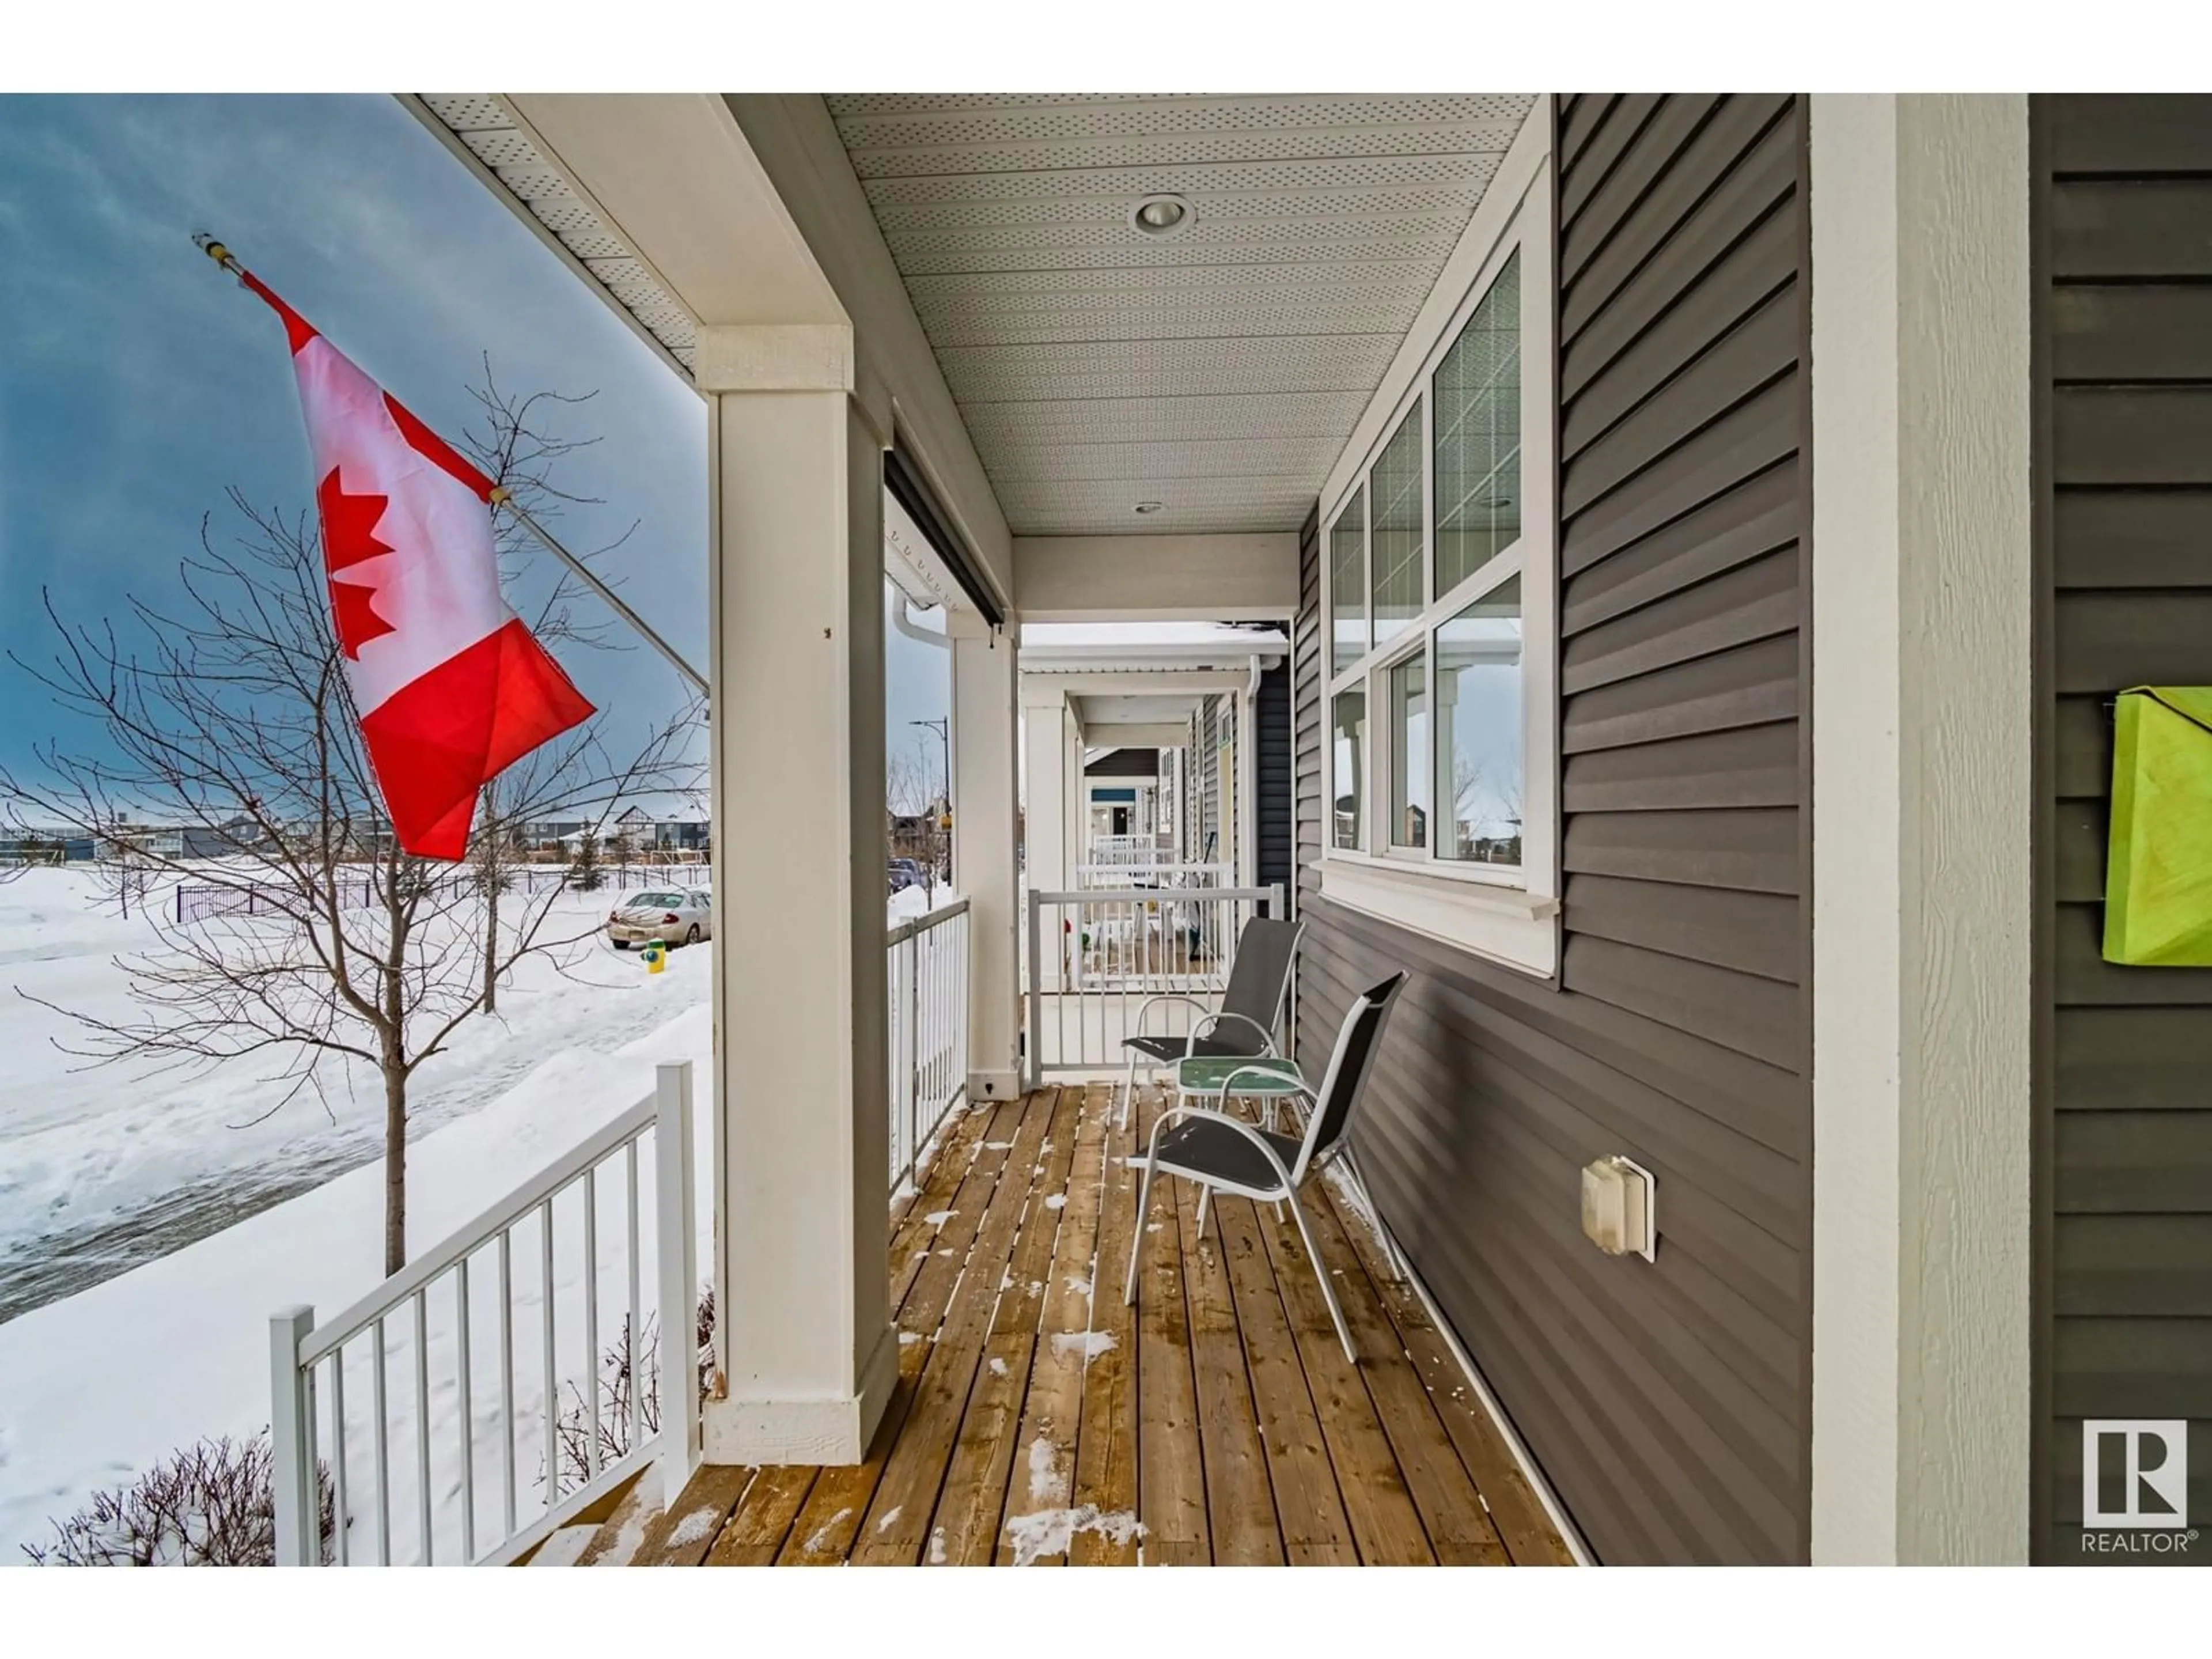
[(655, 956)]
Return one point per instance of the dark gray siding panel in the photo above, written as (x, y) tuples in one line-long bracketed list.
[(2123, 462), (1669, 1402)]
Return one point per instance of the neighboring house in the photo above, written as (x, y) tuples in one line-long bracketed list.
[(1694, 549)]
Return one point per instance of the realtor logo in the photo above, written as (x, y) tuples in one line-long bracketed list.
[(2135, 1472)]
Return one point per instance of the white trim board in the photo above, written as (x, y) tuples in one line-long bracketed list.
[(1922, 699)]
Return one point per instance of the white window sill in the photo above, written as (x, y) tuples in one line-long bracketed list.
[(1506, 925)]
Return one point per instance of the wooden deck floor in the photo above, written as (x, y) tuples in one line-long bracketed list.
[(1038, 1420)]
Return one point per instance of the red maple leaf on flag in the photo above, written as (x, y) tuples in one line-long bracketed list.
[(349, 537)]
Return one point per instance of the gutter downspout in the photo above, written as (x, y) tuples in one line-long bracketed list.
[(902, 619)]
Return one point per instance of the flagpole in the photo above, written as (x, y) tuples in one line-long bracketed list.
[(583, 573), (501, 496)]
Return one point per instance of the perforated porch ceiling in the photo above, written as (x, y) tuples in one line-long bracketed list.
[(1216, 371)]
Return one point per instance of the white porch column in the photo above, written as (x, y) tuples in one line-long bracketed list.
[(986, 733), (1046, 803), (805, 1338), (1922, 598)]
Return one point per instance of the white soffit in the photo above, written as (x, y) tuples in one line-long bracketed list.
[(483, 129), (1217, 371)]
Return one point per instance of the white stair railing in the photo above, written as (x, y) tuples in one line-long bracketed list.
[(459, 1419)]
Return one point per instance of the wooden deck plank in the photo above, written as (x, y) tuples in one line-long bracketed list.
[(956, 1149), (1384, 1522), (1106, 1440), (757, 1529), (985, 1458), (1458, 1528), (1052, 1409), (826, 1529), (1239, 1499), (1170, 1459), (681, 1534), (1523, 1525), (898, 1518), (1309, 1509)]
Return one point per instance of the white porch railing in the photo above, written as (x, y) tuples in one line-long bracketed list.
[(463, 1490), (1095, 955), (928, 981)]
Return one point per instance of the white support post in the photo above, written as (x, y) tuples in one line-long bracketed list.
[(985, 741), (1923, 605), (292, 1441), (802, 1073), (677, 1259)]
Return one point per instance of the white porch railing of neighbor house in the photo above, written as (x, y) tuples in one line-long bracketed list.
[(1094, 955), (928, 980), (505, 1364), (1154, 875), (1126, 852)]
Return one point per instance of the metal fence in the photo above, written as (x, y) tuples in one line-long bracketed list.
[(199, 900), (1095, 955), (464, 1488), (929, 988)]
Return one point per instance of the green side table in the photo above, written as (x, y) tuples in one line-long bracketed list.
[(1258, 1077)]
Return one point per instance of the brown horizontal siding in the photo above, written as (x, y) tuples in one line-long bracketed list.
[(2123, 1257), (1666, 1401)]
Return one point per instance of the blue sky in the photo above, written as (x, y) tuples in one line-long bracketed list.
[(136, 382)]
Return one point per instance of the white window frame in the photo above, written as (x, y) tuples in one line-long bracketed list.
[(1503, 913)]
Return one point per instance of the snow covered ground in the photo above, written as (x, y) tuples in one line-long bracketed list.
[(104, 1167)]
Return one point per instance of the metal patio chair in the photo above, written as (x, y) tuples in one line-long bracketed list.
[(1244, 1025), (1226, 1154)]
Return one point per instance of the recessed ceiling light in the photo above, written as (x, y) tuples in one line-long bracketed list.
[(1148, 506), (1161, 216)]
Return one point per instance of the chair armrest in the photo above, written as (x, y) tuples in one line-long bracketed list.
[(1205, 1025), (1274, 1160)]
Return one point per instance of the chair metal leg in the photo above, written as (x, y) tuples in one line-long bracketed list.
[(1128, 1091), (1321, 1273), (1205, 1197), (1390, 1251), (1137, 1242)]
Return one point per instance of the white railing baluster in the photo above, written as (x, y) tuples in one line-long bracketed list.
[(636, 1343), (591, 1321), (339, 1453), (468, 1416), (508, 1426), (423, 1423), (383, 1455), (552, 1384)]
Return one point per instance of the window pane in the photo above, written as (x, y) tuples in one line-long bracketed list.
[(1397, 485), (1348, 583), (1478, 426), (1479, 729), (1351, 748), (1409, 753)]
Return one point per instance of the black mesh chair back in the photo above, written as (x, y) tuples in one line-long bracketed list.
[(1337, 1101), (1260, 979)]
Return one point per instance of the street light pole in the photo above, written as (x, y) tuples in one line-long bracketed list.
[(943, 730)]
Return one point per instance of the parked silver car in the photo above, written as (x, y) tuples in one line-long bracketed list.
[(672, 917)]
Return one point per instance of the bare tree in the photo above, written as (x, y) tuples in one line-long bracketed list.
[(309, 933)]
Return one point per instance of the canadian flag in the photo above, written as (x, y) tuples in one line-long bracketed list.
[(451, 686)]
